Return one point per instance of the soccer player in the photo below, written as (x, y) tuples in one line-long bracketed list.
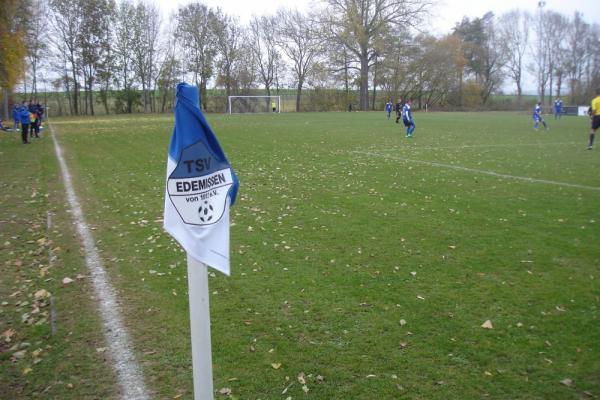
[(594, 112), (407, 118), (25, 121), (537, 117), (399, 110), (388, 108), (558, 103)]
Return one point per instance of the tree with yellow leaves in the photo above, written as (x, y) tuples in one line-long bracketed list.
[(12, 48)]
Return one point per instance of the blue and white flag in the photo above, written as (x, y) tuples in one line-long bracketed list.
[(201, 185)]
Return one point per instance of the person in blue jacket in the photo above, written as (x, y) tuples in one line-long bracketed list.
[(388, 108), (16, 117), (25, 120), (558, 103), (407, 119)]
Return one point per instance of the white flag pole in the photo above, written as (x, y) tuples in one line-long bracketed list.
[(200, 329)]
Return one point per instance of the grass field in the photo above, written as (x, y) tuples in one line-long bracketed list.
[(363, 263)]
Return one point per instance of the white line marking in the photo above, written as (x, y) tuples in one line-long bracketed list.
[(129, 373), (479, 171), (473, 146)]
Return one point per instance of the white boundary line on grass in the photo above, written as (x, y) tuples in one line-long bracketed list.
[(129, 373), (479, 171), (474, 146)]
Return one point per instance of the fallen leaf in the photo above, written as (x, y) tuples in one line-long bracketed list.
[(276, 365), (567, 382), (487, 325), (402, 322), (301, 378), (67, 280), (19, 354), (27, 370), (8, 334), (42, 294), (225, 391)]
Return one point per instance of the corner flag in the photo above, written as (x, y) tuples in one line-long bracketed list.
[(201, 185)]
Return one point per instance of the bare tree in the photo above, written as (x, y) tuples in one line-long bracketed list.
[(342, 67), (168, 71), (196, 27), (124, 70), (93, 42), (230, 51), (555, 25), (67, 21), (576, 34), (299, 38), (36, 42), (540, 65), (264, 49), (146, 31), (514, 36), (359, 24), (593, 60)]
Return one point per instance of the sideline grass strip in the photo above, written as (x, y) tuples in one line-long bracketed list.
[(39, 250)]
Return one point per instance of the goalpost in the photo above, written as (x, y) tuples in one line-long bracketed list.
[(254, 104)]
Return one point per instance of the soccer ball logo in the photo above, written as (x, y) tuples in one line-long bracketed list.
[(205, 211)]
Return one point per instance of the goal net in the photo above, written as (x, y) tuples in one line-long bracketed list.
[(254, 104)]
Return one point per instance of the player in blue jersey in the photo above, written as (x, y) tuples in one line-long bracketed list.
[(537, 117), (388, 108), (558, 103), (407, 118)]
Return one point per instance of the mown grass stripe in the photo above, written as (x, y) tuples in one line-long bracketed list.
[(120, 350)]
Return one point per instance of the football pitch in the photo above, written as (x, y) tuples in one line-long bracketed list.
[(364, 263)]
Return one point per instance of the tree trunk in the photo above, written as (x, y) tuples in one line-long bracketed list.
[(227, 90), (69, 97), (90, 89), (5, 105), (374, 85), (551, 82), (75, 92), (299, 95), (204, 104), (346, 79), (364, 81)]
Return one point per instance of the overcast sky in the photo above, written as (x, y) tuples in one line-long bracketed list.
[(445, 14)]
